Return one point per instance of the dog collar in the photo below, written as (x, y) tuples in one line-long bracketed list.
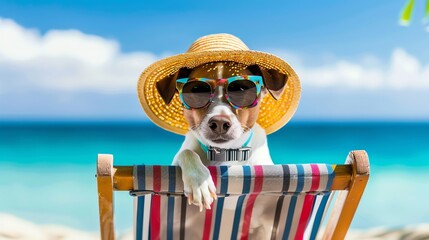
[(228, 154)]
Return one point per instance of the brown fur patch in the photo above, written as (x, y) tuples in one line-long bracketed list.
[(247, 117)]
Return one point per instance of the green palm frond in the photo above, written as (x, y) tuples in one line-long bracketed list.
[(427, 10), (406, 13)]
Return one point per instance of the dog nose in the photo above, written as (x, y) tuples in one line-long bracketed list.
[(219, 124)]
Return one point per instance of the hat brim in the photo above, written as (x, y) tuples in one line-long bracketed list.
[(273, 114)]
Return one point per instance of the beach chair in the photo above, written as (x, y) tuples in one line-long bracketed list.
[(254, 202)]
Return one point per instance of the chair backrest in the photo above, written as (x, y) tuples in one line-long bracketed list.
[(257, 202), (260, 202)]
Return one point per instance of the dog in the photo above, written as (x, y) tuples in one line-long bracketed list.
[(218, 125)]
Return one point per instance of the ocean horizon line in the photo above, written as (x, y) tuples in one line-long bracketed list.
[(148, 123)]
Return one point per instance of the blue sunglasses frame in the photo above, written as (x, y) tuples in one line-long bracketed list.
[(213, 83)]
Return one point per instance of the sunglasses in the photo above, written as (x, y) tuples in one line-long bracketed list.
[(240, 91)]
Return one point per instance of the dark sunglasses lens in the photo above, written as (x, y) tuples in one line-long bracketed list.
[(196, 94), (242, 93)]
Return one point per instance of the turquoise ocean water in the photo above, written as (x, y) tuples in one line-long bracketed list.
[(47, 169)]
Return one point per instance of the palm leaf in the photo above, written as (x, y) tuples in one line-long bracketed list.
[(405, 17), (427, 10)]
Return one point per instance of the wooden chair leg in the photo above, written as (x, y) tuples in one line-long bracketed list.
[(347, 201), (105, 195)]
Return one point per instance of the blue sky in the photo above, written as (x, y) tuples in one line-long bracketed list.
[(69, 60)]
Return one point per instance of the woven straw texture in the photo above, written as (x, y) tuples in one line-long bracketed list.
[(215, 48)]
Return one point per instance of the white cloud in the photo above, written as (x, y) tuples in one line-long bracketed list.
[(407, 72), (402, 72), (342, 73), (65, 60), (69, 60)]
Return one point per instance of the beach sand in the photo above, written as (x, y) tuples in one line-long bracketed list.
[(15, 228)]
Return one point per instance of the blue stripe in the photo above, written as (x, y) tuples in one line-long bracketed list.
[(246, 179), (237, 217), (139, 223), (289, 218), (141, 184), (223, 179), (219, 210), (170, 211), (300, 184), (219, 206), (248, 139), (141, 177), (331, 176), (319, 215)]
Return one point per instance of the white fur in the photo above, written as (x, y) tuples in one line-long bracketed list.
[(198, 184)]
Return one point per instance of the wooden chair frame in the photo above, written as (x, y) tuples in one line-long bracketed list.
[(350, 180)]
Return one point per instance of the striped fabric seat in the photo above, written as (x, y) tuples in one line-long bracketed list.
[(256, 202)]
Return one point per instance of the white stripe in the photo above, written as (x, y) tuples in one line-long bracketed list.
[(293, 178), (227, 219), (308, 178), (146, 215), (194, 225), (135, 216), (148, 177), (176, 217), (235, 184), (274, 183), (323, 176), (164, 179), (179, 181), (163, 217), (263, 216)]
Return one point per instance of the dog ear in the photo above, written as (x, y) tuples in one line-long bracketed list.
[(274, 80), (167, 86)]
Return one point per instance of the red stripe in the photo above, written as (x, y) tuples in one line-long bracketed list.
[(308, 202), (155, 212), (209, 213), (315, 181), (257, 188), (305, 215)]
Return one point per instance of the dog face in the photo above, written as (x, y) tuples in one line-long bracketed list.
[(219, 124)]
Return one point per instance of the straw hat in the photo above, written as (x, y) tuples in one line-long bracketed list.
[(273, 114)]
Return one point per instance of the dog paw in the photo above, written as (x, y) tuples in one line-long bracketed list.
[(197, 181)]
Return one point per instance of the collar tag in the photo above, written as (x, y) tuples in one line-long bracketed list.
[(228, 155)]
